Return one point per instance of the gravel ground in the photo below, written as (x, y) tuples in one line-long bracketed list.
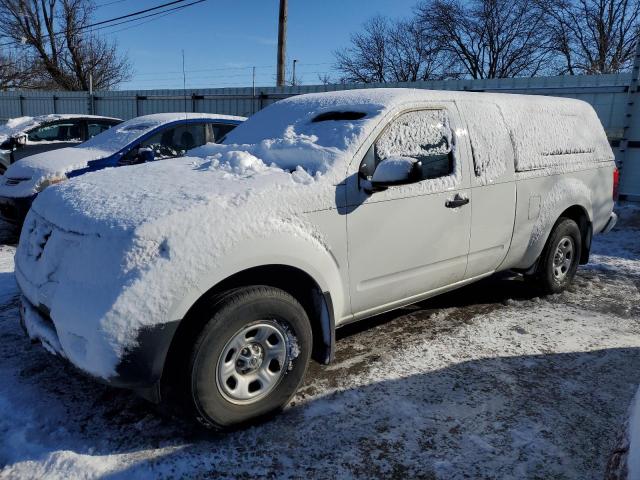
[(489, 381)]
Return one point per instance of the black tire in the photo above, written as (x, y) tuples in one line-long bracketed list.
[(230, 316), (555, 273)]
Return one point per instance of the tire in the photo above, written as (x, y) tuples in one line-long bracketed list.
[(560, 258), (250, 357)]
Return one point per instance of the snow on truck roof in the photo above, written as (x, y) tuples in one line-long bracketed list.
[(542, 128)]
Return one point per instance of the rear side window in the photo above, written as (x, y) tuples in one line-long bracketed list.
[(424, 136), (220, 131), (94, 128), (551, 133)]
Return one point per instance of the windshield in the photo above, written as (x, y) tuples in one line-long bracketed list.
[(120, 136)]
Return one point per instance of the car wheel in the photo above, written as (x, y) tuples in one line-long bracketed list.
[(560, 259), (250, 357)]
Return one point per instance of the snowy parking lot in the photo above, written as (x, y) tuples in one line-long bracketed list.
[(489, 381)]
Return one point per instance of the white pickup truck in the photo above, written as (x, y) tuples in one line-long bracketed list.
[(212, 280)]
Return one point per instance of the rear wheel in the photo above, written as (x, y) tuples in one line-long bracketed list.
[(560, 258), (250, 357)]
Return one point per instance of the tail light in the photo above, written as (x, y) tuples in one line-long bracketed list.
[(616, 183)]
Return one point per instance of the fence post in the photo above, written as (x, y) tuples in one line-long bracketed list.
[(91, 107), (630, 142), (21, 103), (55, 107)]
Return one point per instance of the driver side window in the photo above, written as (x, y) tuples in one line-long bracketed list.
[(423, 137), (176, 141)]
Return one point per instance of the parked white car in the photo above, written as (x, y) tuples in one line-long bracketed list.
[(212, 280)]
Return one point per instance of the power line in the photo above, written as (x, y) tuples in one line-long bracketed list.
[(139, 12), (159, 14), (109, 3), (217, 69), (129, 15)]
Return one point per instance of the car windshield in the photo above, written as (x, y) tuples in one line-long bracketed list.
[(118, 137)]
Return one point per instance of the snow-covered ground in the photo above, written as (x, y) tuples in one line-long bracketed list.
[(485, 382)]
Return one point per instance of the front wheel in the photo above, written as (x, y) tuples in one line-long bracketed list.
[(560, 259), (250, 358)]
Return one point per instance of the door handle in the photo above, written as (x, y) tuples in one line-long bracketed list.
[(456, 202)]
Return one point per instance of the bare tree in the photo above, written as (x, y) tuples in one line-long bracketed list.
[(15, 71), (54, 35), (593, 36), (364, 61), (489, 38), (391, 51)]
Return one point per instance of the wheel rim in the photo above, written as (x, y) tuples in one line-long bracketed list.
[(253, 362), (563, 258)]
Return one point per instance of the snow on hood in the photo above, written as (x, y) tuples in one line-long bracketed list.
[(44, 166), (124, 199)]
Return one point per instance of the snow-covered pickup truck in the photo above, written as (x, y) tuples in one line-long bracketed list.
[(212, 280)]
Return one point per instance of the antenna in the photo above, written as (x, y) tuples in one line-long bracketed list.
[(184, 86)]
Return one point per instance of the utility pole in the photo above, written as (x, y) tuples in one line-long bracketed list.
[(282, 42), (293, 77)]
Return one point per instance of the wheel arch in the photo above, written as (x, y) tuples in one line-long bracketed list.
[(579, 214), (316, 301)]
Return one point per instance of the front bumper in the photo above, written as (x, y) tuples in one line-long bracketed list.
[(14, 210), (613, 219), (139, 370)]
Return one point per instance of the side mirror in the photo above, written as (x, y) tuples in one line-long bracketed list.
[(395, 171), (20, 140), (146, 155)]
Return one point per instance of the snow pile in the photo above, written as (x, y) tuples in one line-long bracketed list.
[(290, 152)]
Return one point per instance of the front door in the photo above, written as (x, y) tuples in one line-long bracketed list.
[(411, 239)]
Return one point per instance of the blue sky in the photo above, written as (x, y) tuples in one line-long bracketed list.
[(222, 39)]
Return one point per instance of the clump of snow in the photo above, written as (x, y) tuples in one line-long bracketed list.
[(39, 330)]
